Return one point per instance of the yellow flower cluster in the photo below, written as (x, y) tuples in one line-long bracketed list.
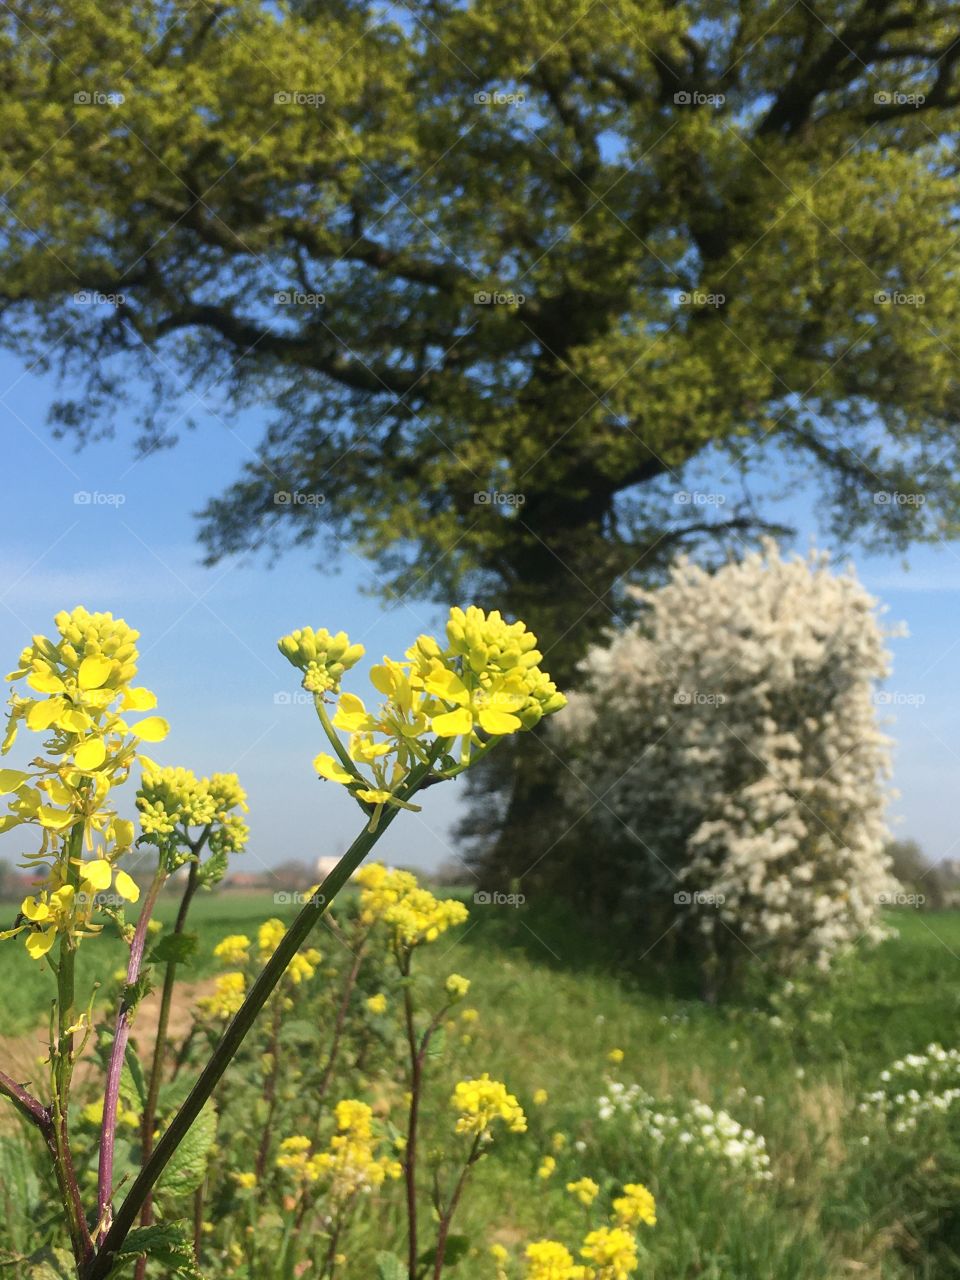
[(585, 1190), (483, 1101), (81, 694), (482, 684), (234, 950), (636, 1205), (350, 1163), (228, 993), (321, 657), (378, 1003), (413, 914), (171, 801), (551, 1260), (457, 986), (614, 1250)]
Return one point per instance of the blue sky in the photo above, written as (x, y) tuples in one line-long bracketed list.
[(209, 635)]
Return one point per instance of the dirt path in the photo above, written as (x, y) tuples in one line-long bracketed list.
[(23, 1057)]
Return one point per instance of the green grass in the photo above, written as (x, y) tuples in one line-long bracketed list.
[(554, 997)]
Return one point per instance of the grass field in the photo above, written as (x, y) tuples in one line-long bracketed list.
[(554, 999)]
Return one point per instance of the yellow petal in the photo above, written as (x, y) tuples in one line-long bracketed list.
[(94, 672), (127, 887), (90, 754), (54, 819), (153, 729), (38, 944), (452, 723), (328, 768), (74, 721), (97, 874), (447, 685), (10, 779), (34, 910), (498, 722), (123, 832), (45, 682), (43, 714), (139, 700)]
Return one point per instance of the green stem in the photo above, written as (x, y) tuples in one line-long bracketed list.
[(235, 1033), (336, 742)]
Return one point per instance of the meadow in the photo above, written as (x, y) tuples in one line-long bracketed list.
[(556, 999)]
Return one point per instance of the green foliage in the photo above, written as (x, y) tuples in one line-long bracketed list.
[(179, 948), (20, 1193), (188, 1165), (165, 1244), (701, 214)]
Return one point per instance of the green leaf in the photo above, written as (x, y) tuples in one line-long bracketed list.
[(47, 1264), (19, 1193), (456, 1248), (389, 1267), (133, 1086), (438, 1042), (188, 1165), (175, 948), (167, 1244)]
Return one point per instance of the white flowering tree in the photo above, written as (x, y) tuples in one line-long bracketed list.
[(738, 723)]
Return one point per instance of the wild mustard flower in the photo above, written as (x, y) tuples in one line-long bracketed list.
[(269, 936), (482, 1102), (457, 986), (548, 1167), (228, 993), (173, 804), (351, 1162), (233, 949), (80, 695), (482, 684), (585, 1190), (551, 1260), (613, 1250), (378, 1003), (615, 1057), (636, 1205), (411, 913), (540, 1097)]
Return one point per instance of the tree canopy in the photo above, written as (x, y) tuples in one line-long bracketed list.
[(556, 255)]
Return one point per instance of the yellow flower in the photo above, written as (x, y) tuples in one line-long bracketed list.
[(413, 914), (469, 1015), (499, 1254), (245, 1181), (321, 657), (234, 949), (615, 1056), (482, 1101), (377, 1003), (547, 1168), (269, 936), (613, 1250), (636, 1205), (540, 1097), (551, 1260), (228, 993), (456, 986), (301, 969), (585, 1190), (558, 1142), (350, 1163)]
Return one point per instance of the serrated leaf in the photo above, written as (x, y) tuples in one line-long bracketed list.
[(389, 1267), (165, 1243), (438, 1042), (188, 1165), (133, 1086), (175, 948)]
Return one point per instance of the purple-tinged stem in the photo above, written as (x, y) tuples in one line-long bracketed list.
[(111, 1097), (24, 1101)]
